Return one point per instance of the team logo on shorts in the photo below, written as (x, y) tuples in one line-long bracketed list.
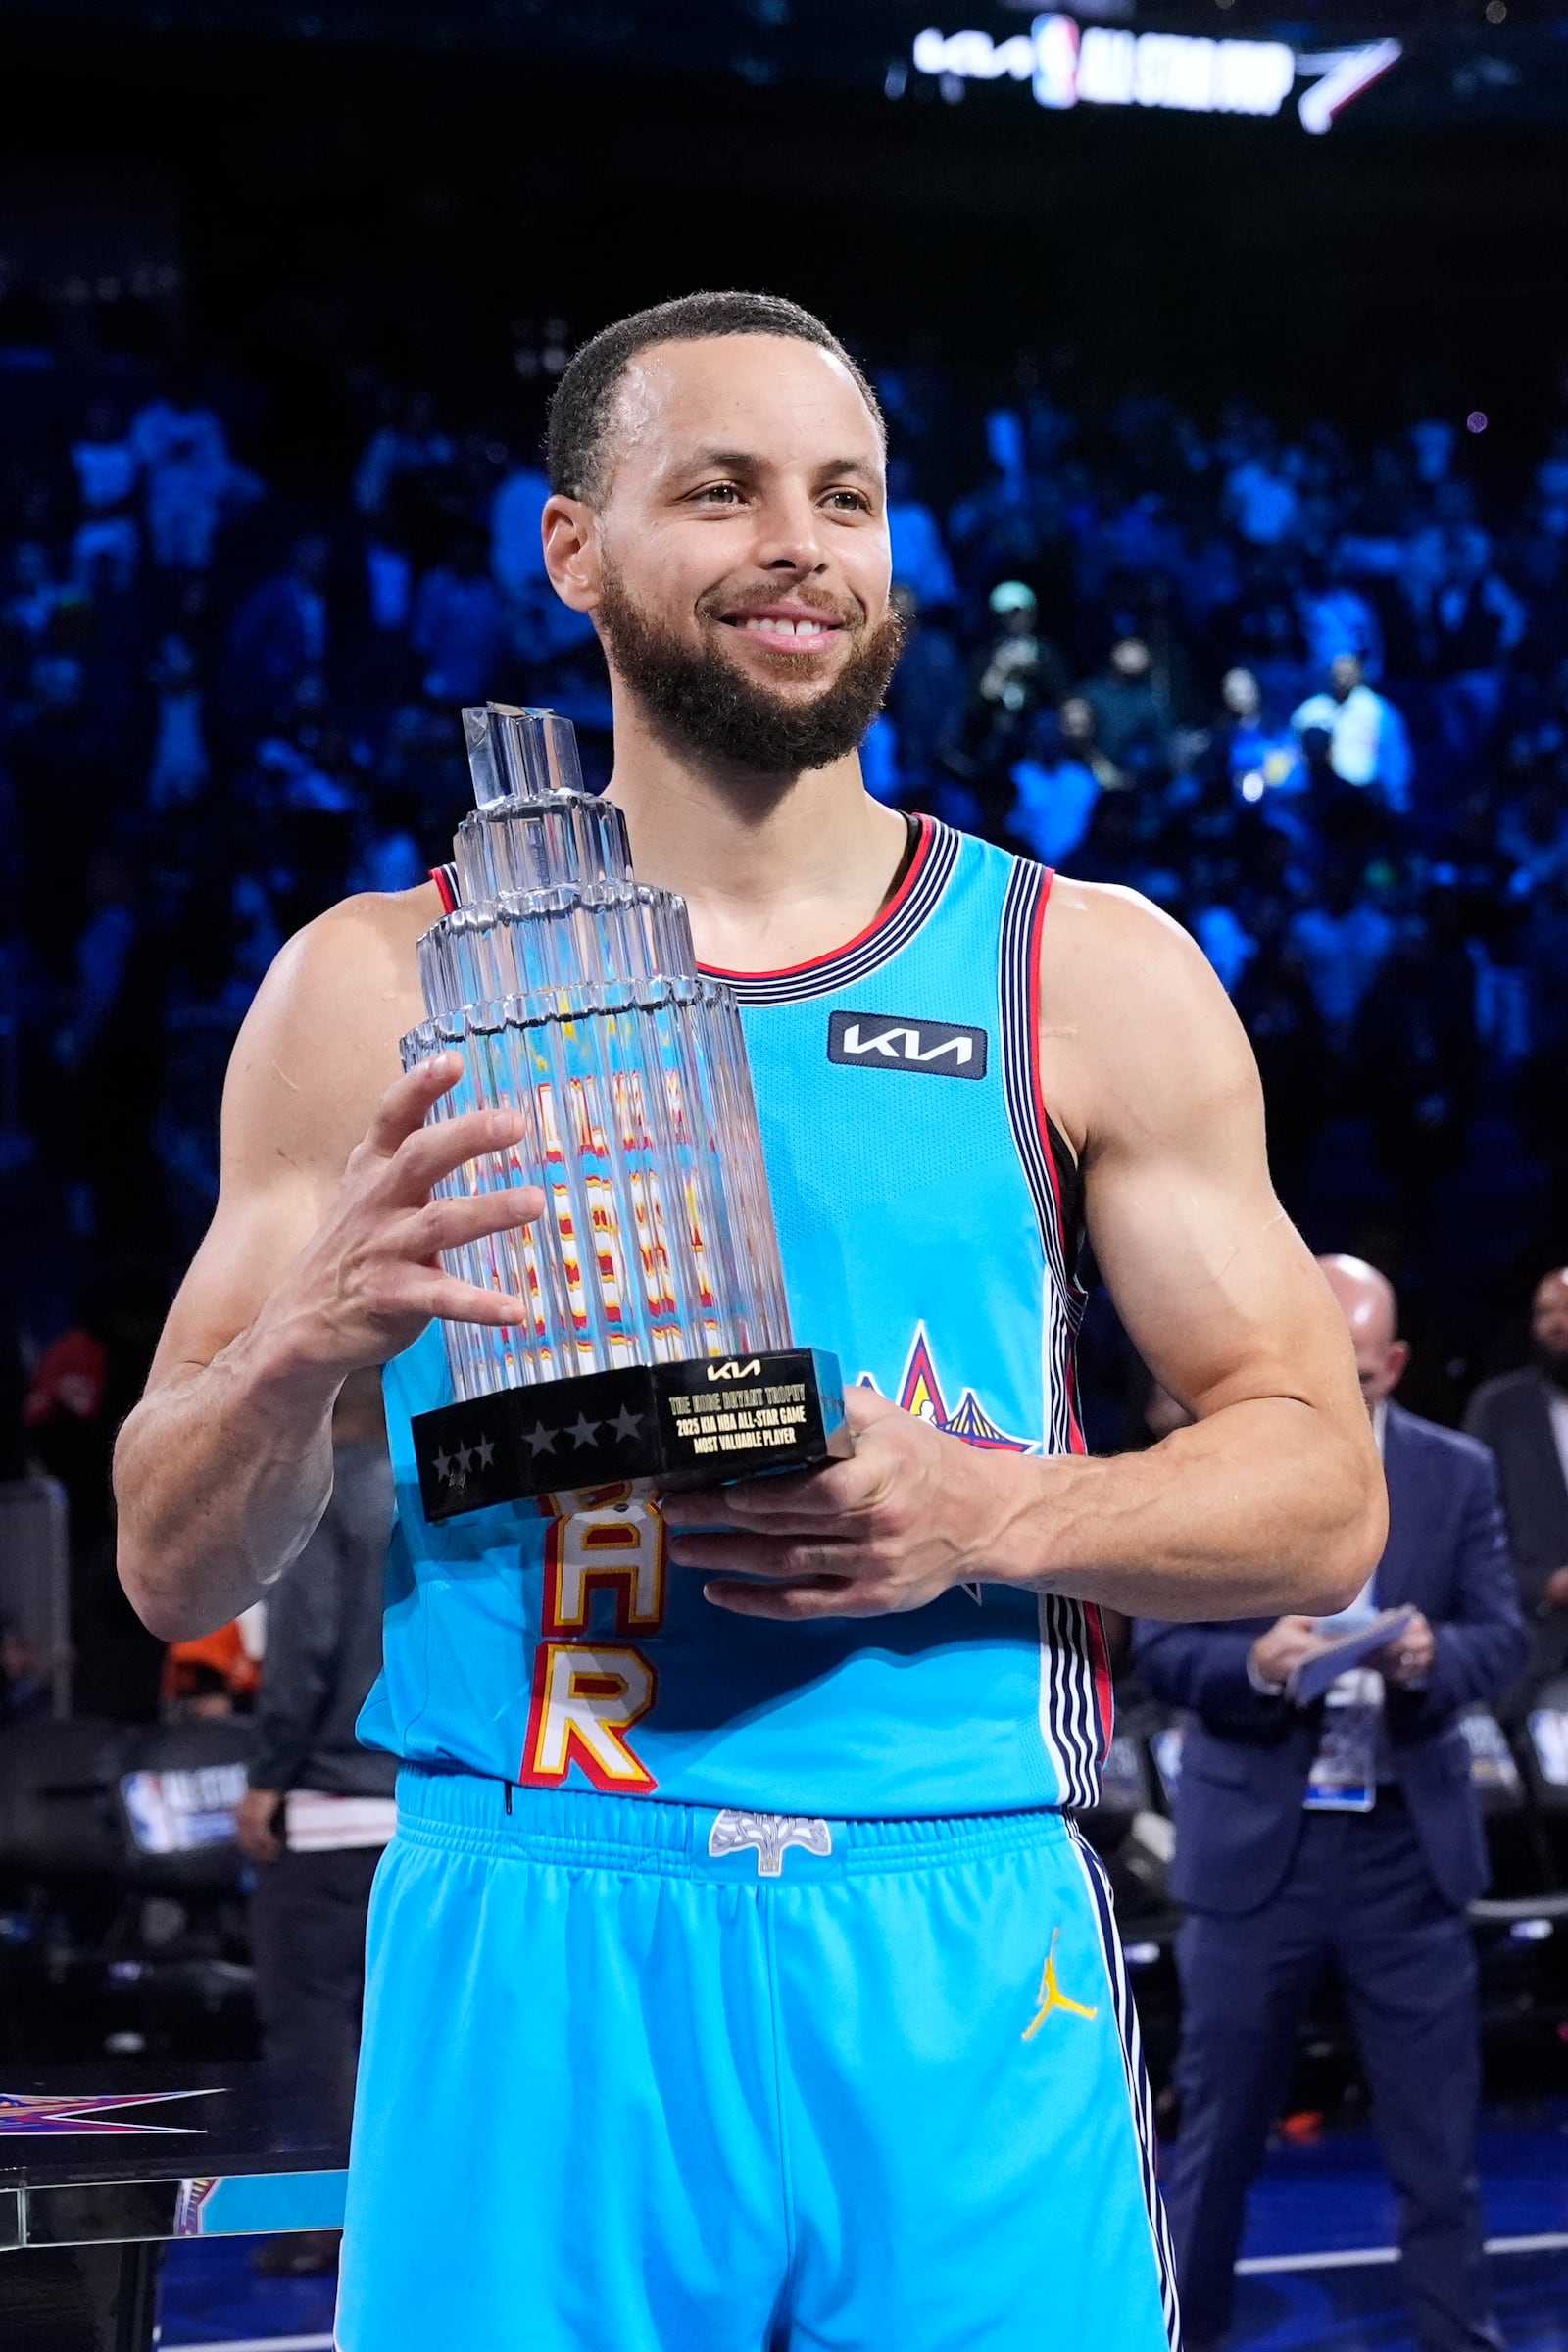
[(769, 1834), (1051, 1997)]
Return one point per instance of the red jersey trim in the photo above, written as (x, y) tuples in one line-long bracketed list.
[(879, 922)]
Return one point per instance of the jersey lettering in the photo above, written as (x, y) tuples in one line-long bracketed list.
[(619, 1551), (586, 1697), (588, 1693)]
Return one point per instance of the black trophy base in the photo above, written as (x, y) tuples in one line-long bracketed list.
[(698, 1423)]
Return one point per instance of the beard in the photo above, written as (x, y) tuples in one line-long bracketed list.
[(704, 704), (1552, 1363)]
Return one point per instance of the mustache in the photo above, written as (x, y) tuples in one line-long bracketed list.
[(704, 703)]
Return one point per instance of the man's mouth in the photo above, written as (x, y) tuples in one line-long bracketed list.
[(789, 628)]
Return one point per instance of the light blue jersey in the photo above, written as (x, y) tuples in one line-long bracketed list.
[(928, 1241)]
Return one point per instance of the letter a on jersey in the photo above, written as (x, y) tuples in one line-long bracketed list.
[(619, 1551)]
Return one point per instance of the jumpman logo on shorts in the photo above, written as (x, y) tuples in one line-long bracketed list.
[(1052, 1995)]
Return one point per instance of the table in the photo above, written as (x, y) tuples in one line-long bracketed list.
[(98, 2165)]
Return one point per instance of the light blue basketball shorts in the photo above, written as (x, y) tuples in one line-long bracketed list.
[(648, 2077)]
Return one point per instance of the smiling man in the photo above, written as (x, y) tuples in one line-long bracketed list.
[(738, 1980)]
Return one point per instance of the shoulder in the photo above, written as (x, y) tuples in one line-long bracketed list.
[(319, 1043), (1098, 929), (1439, 1448), (1134, 1021), (1506, 1396), (360, 957)]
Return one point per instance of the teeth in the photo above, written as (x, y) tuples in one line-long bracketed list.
[(787, 628)]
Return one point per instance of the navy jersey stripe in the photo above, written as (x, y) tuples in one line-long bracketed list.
[(1072, 1723), (882, 941), (1132, 2050), (1072, 1710), (1020, 949)]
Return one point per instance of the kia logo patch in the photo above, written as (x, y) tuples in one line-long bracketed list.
[(888, 1041)]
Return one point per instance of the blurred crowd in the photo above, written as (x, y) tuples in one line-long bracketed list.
[(1310, 697)]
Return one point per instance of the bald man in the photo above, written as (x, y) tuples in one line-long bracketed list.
[(1343, 1832), (1524, 1418)]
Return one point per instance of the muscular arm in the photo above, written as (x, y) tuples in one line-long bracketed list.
[(1271, 1501), (321, 1261), (1273, 1498)]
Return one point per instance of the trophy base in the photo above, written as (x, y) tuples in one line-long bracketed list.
[(698, 1423)]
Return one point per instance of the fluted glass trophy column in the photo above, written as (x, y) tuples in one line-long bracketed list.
[(657, 1341)]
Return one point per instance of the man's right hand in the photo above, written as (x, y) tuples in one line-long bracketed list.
[(1289, 1643), (371, 1279)]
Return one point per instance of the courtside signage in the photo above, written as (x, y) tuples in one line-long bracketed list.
[(1070, 64)]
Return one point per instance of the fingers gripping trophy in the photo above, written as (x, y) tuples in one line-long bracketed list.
[(657, 1345)]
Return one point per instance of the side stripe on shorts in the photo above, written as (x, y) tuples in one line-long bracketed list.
[(1132, 2050)]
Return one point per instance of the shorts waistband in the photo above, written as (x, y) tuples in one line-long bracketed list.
[(464, 1813)]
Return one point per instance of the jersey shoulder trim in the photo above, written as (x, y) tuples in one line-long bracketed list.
[(911, 904), (1048, 1165)]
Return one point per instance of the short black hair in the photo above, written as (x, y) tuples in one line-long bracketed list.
[(579, 410)]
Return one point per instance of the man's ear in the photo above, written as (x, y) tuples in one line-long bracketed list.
[(570, 531), (1399, 1361)]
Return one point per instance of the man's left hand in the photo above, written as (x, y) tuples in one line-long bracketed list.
[(910, 1515), (256, 1825), (1408, 1658)]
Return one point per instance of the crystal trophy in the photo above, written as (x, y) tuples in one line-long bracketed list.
[(656, 1345)]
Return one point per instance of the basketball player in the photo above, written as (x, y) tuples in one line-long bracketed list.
[(736, 1976)]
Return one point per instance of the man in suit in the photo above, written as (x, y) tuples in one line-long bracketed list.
[(1524, 1418), (1343, 1831)]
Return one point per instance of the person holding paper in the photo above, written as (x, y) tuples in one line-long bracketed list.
[(1343, 1830)]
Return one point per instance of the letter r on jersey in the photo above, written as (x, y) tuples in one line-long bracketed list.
[(585, 1699)]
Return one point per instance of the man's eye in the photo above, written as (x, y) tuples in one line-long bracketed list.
[(722, 494), (850, 501)]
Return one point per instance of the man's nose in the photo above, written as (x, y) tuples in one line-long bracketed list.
[(789, 534)]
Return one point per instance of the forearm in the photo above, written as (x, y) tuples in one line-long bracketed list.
[(1265, 1507), (221, 1475)]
